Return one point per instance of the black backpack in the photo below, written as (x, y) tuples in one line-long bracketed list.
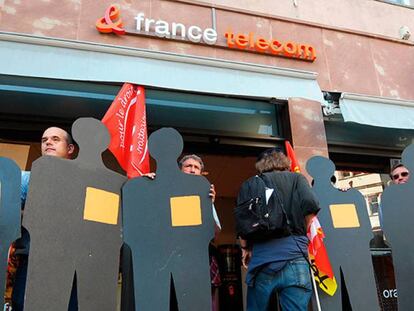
[(257, 220)]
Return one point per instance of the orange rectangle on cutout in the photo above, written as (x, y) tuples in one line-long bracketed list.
[(344, 216), (185, 211), (101, 206)]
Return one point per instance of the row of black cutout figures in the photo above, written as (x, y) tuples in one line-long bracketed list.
[(65, 239)]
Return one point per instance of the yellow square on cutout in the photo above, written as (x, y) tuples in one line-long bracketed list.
[(344, 216), (185, 211), (101, 206)]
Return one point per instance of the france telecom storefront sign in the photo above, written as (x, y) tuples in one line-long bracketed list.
[(112, 23)]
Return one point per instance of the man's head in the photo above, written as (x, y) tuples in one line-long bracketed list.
[(272, 160), (191, 164), (57, 142), (399, 174)]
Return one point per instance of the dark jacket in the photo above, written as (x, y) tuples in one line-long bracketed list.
[(297, 197)]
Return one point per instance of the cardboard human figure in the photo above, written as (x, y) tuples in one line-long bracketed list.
[(73, 216), (10, 205), (397, 223), (345, 222), (168, 224)]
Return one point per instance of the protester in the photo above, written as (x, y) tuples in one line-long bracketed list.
[(189, 164), (280, 264), (193, 164), (399, 174), (58, 143)]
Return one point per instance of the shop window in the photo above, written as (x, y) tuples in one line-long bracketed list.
[(34, 103), (234, 116)]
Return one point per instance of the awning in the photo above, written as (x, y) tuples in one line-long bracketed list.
[(377, 111), (31, 56)]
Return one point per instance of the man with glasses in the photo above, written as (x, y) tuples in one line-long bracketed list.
[(399, 174)]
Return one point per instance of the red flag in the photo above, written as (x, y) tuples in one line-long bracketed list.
[(317, 247), (294, 165), (127, 123), (318, 255)]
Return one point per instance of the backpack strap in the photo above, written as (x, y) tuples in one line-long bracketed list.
[(263, 178)]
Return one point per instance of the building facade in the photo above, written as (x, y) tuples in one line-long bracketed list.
[(233, 77)]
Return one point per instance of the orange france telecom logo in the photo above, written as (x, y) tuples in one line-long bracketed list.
[(111, 21)]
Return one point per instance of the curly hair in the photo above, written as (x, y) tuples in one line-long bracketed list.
[(273, 160)]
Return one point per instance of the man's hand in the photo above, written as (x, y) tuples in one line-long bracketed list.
[(344, 188), (246, 252), (246, 255), (149, 175), (212, 193)]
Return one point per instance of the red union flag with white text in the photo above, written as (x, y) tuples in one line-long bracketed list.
[(127, 123)]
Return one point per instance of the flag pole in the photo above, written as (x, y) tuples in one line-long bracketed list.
[(318, 303)]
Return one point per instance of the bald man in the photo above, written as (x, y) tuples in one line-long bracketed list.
[(58, 143)]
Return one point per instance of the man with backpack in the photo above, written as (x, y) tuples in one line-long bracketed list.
[(273, 236)]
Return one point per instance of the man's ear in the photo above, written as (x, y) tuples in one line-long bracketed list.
[(71, 149)]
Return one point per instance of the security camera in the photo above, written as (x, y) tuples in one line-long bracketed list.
[(405, 33)]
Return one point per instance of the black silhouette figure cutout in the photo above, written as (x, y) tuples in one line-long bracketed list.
[(10, 181), (74, 219), (397, 223), (168, 224), (345, 222)]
